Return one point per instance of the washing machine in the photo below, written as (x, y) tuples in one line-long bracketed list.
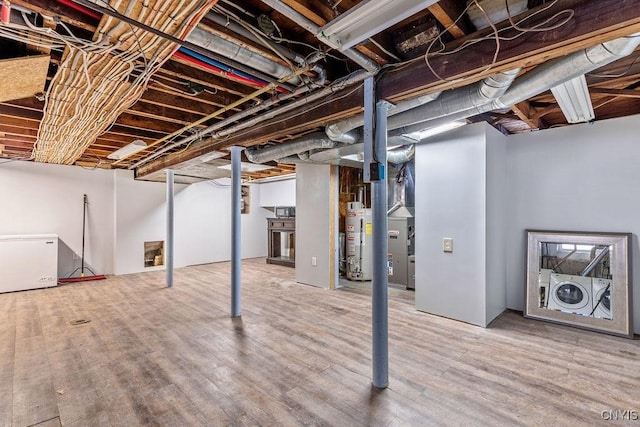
[(571, 294), (602, 293)]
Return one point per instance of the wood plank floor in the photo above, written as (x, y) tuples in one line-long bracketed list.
[(298, 356)]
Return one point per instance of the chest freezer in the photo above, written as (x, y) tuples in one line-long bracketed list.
[(28, 261)]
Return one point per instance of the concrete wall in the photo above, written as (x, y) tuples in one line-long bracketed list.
[(42, 198), (316, 209), (577, 178)]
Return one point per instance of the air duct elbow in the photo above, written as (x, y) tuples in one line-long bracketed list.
[(334, 133), (561, 70), (313, 141), (402, 155), (456, 100)]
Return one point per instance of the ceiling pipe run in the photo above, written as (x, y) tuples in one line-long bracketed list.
[(314, 141), (455, 100), (355, 78), (542, 78), (357, 57), (336, 130), (226, 22), (452, 106), (433, 105), (235, 52)]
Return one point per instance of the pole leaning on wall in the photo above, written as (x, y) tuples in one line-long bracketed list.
[(236, 235), (169, 238)]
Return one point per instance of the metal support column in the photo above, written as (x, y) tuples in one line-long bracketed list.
[(168, 250), (236, 236), (380, 326)]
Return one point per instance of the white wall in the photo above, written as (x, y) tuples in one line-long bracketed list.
[(458, 180), (278, 193), (496, 217), (202, 222), (577, 178), (315, 202), (43, 198), (122, 214)]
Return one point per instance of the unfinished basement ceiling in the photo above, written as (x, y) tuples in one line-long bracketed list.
[(111, 81)]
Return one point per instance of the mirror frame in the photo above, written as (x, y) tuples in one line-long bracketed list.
[(620, 262)]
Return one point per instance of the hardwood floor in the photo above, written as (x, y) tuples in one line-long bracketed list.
[(298, 356)]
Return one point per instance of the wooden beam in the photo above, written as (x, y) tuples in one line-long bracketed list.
[(266, 131), (624, 93), (163, 113), (305, 10), (593, 22), (182, 69), (188, 104), (524, 111), (447, 12), (56, 10)]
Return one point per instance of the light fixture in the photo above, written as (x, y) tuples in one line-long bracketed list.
[(128, 150), (574, 100), (426, 133), (247, 167), (368, 18)]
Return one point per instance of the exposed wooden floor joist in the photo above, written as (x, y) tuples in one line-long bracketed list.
[(299, 356)]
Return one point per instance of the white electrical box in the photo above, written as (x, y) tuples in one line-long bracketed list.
[(28, 262), (447, 244)]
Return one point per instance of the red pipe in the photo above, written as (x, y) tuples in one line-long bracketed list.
[(98, 16), (217, 70), (81, 9), (5, 15)]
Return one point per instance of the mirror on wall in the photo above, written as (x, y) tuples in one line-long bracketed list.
[(580, 279)]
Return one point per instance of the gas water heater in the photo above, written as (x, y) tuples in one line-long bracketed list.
[(359, 226)]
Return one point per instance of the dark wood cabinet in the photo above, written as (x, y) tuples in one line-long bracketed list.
[(282, 241)]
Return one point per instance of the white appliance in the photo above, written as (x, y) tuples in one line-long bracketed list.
[(602, 294), (28, 262), (359, 243), (571, 294)]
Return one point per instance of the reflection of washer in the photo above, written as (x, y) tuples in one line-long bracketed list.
[(571, 294), (602, 289)]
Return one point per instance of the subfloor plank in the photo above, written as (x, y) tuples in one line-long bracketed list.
[(299, 355)]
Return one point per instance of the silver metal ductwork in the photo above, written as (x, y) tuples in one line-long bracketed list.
[(210, 41), (456, 100), (244, 32), (402, 155), (336, 130), (540, 79), (318, 140), (561, 70)]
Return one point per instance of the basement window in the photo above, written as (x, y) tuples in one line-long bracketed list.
[(154, 253)]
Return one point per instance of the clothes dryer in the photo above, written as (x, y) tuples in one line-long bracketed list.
[(601, 303), (571, 294)]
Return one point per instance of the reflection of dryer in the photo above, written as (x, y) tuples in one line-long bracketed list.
[(571, 294), (602, 293)]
